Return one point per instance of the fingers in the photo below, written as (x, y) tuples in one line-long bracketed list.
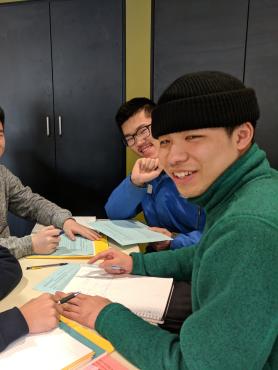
[(157, 229), (161, 230), (102, 255), (50, 231), (90, 234), (160, 246), (71, 307), (56, 314), (71, 315), (94, 235), (51, 247), (148, 164), (72, 228), (50, 234), (47, 249), (70, 234), (110, 268), (58, 295)]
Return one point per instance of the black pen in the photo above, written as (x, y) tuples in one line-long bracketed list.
[(68, 297), (42, 266)]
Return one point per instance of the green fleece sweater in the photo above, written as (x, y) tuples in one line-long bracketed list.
[(234, 272)]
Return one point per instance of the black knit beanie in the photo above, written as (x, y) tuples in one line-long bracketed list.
[(204, 100)]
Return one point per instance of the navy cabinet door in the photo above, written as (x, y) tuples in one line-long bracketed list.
[(261, 71), (26, 93), (87, 50), (190, 36), (62, 80), (27, 98)]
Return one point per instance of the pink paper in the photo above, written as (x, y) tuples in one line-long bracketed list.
[(105, 362)]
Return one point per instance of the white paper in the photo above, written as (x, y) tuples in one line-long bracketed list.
[(47, 351), (144, 295)]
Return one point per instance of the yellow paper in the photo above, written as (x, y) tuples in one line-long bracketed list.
[(101, 245), (81, 361), (89, 334)]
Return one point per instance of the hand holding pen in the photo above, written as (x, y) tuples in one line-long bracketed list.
[(80, 307), (67, 298), (115, 261), (46, 240), (63, 300)]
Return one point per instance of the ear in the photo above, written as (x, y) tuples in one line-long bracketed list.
[(243, 136)]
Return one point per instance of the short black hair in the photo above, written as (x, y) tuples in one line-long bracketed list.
[(131, 107), (2, 116)]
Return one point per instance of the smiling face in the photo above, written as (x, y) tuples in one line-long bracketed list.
[(195, 159), (144, 146)]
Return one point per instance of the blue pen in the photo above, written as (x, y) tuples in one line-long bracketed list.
[(61, 232)]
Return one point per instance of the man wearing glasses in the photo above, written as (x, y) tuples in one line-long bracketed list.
[(148, 188)]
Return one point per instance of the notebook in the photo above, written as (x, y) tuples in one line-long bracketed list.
[(147, 297)]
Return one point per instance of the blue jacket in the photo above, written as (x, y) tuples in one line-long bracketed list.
[(162, 205)]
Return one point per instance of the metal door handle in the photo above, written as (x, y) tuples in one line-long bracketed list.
[(47, 126), (60, 125)]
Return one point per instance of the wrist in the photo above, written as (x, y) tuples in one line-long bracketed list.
[(25, 316), (33, 241), (68, 219), (136, 183)]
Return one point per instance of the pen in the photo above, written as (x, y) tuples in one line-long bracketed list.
[(42, 266), (68, 297), (115, 267)]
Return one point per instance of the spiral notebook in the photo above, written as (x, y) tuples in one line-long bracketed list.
[(146, 296)]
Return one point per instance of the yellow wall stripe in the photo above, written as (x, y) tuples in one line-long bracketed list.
[(138, 55)]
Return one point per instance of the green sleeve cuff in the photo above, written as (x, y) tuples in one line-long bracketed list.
[(138, 264), (109, 311)]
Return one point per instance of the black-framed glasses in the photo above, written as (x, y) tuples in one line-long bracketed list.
[(142, 132)]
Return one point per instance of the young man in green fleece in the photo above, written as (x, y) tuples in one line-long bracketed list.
[(205, 125)]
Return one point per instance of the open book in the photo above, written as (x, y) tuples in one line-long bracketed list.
[(148, 297)]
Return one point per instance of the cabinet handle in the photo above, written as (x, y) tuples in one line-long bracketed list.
[(60, 125), (47, 126)]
